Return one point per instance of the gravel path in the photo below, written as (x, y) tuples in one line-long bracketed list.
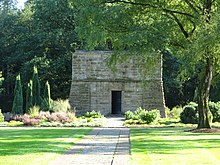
[(102, 146)]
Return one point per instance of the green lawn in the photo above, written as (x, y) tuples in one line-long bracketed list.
[(173, 146), (22, 146)]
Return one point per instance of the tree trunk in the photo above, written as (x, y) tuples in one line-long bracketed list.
[(203, 96)]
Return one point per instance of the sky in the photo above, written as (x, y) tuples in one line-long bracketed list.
[(21, 3)]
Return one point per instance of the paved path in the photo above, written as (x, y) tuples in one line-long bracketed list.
[(114, 122), (102, 146)]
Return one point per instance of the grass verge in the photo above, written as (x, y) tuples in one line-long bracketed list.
[(24, 146), (168, 146)]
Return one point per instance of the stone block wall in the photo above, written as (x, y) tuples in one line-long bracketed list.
[(93, 82)]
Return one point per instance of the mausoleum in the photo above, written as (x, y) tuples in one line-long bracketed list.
[(95, 86)]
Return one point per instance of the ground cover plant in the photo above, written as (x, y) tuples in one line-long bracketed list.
[(35, 117), (36, 145), (174, 146)]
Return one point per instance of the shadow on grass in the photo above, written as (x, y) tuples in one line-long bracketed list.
[(22, 141)]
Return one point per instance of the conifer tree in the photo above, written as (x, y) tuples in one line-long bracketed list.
[(29, 96), (17, 107), (47, 98), (36, 88)]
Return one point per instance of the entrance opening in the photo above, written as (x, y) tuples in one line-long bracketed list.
[(116, 102)]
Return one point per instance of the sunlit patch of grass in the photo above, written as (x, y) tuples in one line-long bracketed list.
[(174, 146), (38, 146)]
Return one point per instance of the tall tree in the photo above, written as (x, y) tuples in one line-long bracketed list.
[(41, 34), (52, 42), (190, 27)]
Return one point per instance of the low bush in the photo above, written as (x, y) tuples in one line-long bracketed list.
[(142, 116), (130, 115), (150, 116), (71, 116), (189, 115), (20, 117), (93, 114), (35, 117), (8, 116), (215, 110), (88, 122), (1, 116), (34, 111), (43, 115), (61, 105), (62, 117), (174, 113), (31, 122)]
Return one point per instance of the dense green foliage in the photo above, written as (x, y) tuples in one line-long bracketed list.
[(17, 107), (177, 91), (143, 27), (41, 34)]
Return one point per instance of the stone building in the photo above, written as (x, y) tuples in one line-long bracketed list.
[(96, 87)]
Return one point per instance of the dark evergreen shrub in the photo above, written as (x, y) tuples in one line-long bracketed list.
[(46, 104), (36, 88), (189, 114), (17, 107)]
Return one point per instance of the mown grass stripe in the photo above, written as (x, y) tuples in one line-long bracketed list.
[(174, 146)]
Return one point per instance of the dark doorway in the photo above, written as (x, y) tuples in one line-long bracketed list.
[(116, 102)]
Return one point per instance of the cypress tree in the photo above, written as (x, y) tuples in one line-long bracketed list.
[(36, 88), (29, 96), (17, 107), (47, 98)]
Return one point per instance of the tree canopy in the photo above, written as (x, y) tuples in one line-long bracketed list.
[(41, 34), (189, 27)]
